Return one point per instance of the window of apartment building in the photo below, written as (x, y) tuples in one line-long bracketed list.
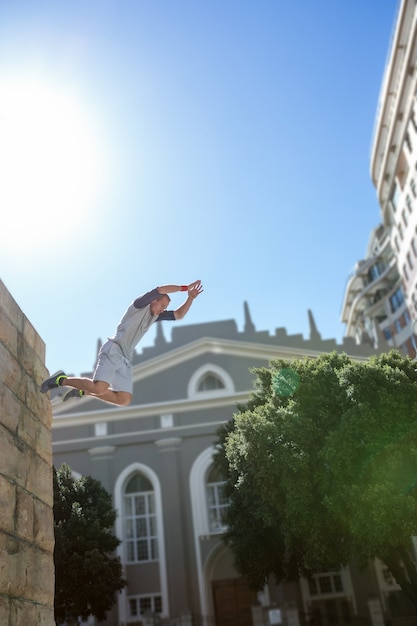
[(406, 318), (409, 203), (379, 295), (398, 326), (396, 300), (141, 539), (413, 121), (387, 334), (407, 141), (400, 231), (375, 271), (405, 272), (138, 605), (413, 187), (402, 169), (217, 502), (395, 195), (414, 246), (396, 244), (404, 217), (410, 261)]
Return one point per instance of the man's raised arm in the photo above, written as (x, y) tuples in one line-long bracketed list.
[(194, 290)]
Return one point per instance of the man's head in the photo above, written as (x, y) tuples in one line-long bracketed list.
[(159, 304)]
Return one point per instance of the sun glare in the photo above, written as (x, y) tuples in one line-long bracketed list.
[(50, 165)]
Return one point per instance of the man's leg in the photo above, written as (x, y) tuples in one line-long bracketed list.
[(121, 398), (99, 389), (96, 388)]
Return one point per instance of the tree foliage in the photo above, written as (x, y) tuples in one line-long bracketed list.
[(328, 474), (87, 574)]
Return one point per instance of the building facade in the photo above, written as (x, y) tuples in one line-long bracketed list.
[(374, 303), (394, 175), (155, 458)]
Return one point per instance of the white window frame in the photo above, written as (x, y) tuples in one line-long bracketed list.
[(347, 586), (119, 490), (200, 373), (217, 508), (153, 597), (149, 519)]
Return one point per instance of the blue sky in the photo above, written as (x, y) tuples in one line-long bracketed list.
[(147, 142)]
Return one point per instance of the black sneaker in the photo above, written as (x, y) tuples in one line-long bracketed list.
[(73, 393), (53, 381)]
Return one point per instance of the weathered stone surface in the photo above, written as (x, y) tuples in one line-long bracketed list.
[(26, 522), (7, 504)]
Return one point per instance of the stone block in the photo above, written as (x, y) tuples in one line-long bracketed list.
[(39, 479), (26, 468), (44, 439), (11, 373), (10, 307), (11, 408), (23, 613), (24, 515), (7, 505), (8, 333), (4, 610), (30, 363), (15, 457), (25, 571), (39, 403), (39, 574), (43, 526), (10, 584), (33, 340), (35, 434)]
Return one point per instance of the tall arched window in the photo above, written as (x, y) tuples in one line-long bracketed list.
[(217, 501), (140, 480), (141, 537)]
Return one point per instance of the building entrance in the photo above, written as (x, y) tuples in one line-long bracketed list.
[(233, 600)]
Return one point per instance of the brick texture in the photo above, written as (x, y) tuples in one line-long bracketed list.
[(26, 519)]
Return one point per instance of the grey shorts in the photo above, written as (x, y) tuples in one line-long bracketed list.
[(114, 368)]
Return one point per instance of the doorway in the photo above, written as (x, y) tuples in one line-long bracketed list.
[(233, 599)]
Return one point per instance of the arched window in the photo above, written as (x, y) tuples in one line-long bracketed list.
[(209, 382), (137, 492), (217, 502), (141, 537)]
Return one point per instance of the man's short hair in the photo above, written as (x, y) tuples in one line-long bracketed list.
[(163, 295)]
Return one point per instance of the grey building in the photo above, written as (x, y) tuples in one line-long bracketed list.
[(155, 458)]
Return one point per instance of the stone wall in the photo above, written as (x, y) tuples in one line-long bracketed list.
[(26, 517)]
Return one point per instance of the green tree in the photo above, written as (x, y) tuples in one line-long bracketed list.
[(87, 574), (325, 475)]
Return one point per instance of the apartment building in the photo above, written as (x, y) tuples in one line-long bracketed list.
[(374, 306), (380, 297)]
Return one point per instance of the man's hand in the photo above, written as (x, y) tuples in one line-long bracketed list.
[(195, 288)]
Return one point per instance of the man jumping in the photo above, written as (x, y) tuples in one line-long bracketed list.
[(112, 379)]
